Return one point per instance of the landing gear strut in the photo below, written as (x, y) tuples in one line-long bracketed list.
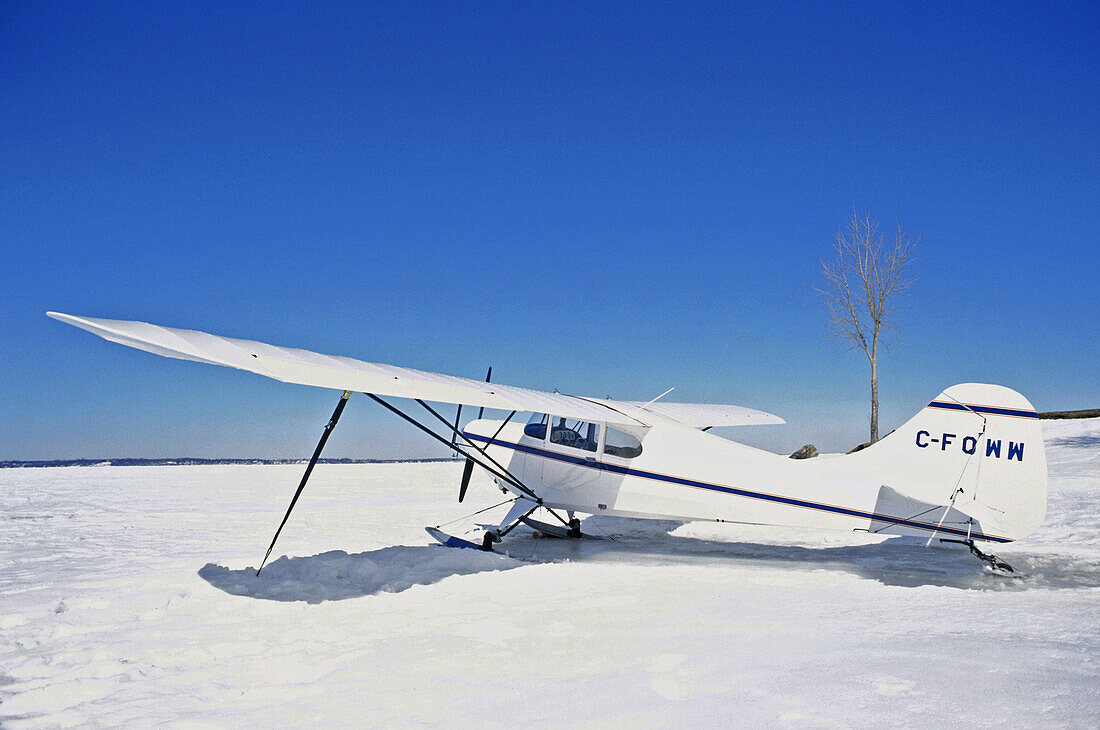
[(521, 512)]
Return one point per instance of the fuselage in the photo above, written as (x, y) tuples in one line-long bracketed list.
[(671, 472)]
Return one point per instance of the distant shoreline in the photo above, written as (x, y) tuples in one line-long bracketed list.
[(189, 461), (1090, 413)]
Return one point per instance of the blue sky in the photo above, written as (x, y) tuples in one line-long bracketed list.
[(605, 199)]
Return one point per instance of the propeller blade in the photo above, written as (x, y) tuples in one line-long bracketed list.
[(458, 417), (309, 470), (467, 472), (488, 377)]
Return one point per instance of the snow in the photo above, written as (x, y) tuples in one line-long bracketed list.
[(127, 598)]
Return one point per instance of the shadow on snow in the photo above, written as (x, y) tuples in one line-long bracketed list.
[(336, 575), (896, 561), (901, 562), (1085, 441)]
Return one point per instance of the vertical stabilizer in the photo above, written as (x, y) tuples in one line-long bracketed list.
[(975, 448)]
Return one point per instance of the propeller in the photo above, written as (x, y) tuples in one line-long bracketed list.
[(468, 470)]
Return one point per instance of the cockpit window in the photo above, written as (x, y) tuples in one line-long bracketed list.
[(575, 434), (622, 444), (536, 427)]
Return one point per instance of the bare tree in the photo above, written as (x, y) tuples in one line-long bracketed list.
[(861, 284)]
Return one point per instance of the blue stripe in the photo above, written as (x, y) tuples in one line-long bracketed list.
[(991, 410), (791, 501)]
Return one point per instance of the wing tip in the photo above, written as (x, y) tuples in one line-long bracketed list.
[(62, 317), (72, 319)]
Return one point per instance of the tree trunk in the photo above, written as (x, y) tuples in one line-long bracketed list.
[(874, 400)]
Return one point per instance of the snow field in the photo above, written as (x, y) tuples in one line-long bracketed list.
[(126, 599)]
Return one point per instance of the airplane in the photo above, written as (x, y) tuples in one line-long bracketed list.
[(969, 467)]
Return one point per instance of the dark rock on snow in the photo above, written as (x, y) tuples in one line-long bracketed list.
[(808, 451)]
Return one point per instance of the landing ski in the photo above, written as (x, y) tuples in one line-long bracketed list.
[(552, 530), (452, 541)]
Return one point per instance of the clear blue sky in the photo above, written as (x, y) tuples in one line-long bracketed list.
[(601, 199)]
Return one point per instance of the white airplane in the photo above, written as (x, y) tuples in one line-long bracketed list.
[(969, 467)]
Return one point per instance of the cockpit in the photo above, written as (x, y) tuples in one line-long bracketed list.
[(583, 436), (575, 434)]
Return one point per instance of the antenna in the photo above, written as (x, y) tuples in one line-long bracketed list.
[(662, 395)]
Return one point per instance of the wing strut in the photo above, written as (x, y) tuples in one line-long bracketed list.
[(493, 466), (512, 478), (309, 470), (497, 470), (484, 452)]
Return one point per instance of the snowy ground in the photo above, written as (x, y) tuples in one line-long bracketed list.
[(126, 599)]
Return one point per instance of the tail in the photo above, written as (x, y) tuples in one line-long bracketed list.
[(971, 464)]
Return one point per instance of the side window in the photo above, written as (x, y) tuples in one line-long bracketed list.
[(536, 427), (622, 444), (575, 434)]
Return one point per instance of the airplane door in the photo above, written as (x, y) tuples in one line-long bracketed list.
[(621, 446), (571, 465), (534, 443)]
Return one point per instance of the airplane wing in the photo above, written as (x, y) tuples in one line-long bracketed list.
[(292, 365)]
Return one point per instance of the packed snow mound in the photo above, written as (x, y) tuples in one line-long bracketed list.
[(335, 575)]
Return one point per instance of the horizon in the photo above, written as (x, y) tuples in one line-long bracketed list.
[(197, 461), (1081, 414), (608, 200)]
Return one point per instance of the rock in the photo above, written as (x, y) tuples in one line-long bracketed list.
[(808, 451)]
